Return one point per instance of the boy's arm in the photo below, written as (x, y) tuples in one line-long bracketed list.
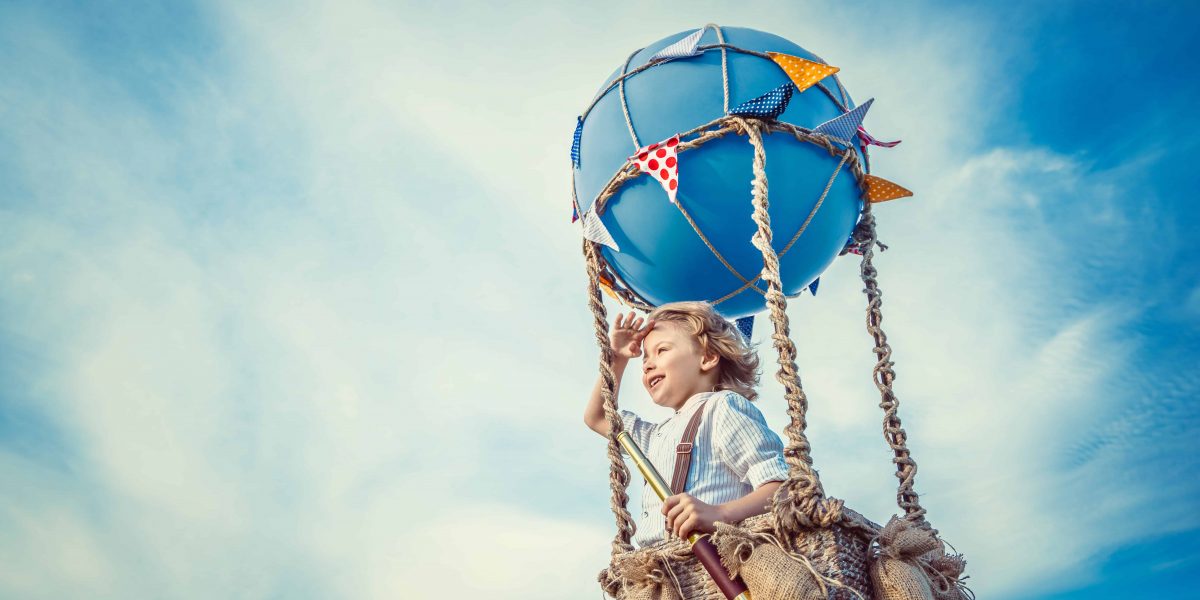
[(685, 514), (753, 504), (593, 415)]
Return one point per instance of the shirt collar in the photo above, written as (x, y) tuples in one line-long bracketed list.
[(693, 402)]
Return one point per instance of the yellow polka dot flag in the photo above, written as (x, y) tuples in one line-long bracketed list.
[(804, 73), (882, 190)]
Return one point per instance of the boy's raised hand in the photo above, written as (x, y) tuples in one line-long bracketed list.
[(627, 335)]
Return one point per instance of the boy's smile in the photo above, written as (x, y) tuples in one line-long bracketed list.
[(673, 367)]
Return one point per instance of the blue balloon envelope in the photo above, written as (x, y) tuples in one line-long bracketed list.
[(661, 257)]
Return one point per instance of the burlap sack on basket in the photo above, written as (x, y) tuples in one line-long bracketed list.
[(911, 565), (769, 571), (650, 578)]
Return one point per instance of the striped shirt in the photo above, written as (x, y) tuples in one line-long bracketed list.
[(734, 453)]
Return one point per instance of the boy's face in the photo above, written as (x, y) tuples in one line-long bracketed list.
[(673, 367)]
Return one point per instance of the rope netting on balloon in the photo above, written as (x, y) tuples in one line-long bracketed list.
[(833, 136), (800, 502), (703, 134)]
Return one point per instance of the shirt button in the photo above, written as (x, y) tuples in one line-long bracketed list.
[(645, 514)]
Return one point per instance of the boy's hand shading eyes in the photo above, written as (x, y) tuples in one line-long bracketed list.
[(687, 515), (627, 335)]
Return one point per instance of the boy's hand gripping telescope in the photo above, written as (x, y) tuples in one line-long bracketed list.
[(705, 551)]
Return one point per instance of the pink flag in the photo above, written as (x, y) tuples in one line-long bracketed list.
[(870, 141)]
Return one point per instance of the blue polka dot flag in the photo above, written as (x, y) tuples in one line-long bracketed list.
[(746, 326), (683, 48), (575, 143), (845, 127), (769, 105), (812, 287)]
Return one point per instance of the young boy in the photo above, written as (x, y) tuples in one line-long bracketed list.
[(696, 360)]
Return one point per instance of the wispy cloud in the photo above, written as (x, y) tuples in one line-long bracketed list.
[(319, 326)]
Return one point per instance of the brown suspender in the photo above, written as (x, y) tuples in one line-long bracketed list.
[(683, 452)]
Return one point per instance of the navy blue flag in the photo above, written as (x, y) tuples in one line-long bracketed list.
[(812, 287), (746, 326), (769, 105)]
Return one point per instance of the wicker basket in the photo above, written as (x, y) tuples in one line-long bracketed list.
[(839, 552)]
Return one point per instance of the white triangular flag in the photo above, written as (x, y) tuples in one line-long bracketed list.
[(594, 230)]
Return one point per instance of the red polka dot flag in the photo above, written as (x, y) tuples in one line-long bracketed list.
[(660, 162)]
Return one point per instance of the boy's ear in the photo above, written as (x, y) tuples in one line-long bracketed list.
[(709, 360)]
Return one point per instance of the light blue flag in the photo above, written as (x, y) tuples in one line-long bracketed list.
[(845, 127), (683, 48)]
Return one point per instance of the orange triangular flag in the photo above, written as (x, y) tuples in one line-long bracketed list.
[(882, 190), (606, 284), (804, 73)]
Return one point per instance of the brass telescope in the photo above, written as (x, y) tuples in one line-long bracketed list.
[(702, 547)]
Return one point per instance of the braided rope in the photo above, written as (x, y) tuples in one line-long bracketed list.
[(724, 63), (800, 501), (625, 104), (618, 476), (883, 376)]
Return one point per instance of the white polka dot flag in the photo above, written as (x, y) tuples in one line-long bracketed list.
[(769, 105), (683, 48), (845, 127), (804, 73), (882, 190), (660, 162), (594, 230)]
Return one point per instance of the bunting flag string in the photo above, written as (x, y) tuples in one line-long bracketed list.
[(575, 143), (804, 73), (846, 126), (683, 48), (660, 161), (882, 190), (594, 230), (870, 141), (769, 105)]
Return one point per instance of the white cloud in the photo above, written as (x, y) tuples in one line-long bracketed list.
[(328, 331)]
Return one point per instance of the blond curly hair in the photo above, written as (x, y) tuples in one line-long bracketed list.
[(738, 368)]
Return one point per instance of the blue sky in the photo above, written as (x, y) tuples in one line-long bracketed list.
[(290, 305)]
